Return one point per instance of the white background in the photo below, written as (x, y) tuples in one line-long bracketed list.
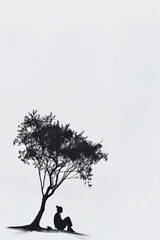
[(95, 65)]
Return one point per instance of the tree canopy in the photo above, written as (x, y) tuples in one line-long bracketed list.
[(56, 150)]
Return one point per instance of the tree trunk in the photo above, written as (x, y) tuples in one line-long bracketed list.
[(35, 224)]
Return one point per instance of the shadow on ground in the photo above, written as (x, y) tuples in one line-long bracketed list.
[(40, 229)]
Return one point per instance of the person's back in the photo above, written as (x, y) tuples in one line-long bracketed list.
[(57, 220)]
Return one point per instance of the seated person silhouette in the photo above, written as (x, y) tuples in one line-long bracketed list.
[(61, 224)]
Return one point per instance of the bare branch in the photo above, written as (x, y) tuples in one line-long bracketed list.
[(40, 178), (44, 178), (50, 177), (55, 187), (53, 190), (47, 191), (57, 184), (68, 172), (57, 176), (73, 177), (53, 169)]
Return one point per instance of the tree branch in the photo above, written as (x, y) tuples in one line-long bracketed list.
[(47, 192), (54, 189), (74, 176), (57, 176), (56, 185), (50, 177), (44, 178), (40, 178)]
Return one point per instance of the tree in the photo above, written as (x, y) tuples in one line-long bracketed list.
[(57, 152)]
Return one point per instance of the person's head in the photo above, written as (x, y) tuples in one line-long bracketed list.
[(59, 209)]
